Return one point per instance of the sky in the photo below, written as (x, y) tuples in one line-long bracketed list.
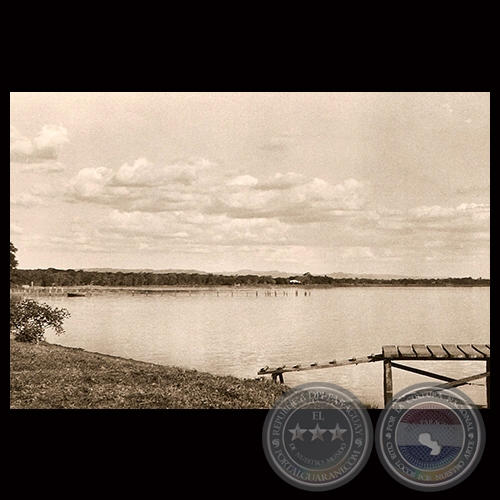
[(365, 183)]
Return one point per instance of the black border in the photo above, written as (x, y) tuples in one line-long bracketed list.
[(163, 451)]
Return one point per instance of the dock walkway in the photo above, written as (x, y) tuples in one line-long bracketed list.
[(392, 354)]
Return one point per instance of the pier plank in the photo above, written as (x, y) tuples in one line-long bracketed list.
[(469, 351), (483, 349), (318, 365), (454, 351), (437, 351), (406, 351), (390, 351), (421, 351)]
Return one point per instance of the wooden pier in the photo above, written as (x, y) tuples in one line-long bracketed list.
[(392, 354), (438, 352)]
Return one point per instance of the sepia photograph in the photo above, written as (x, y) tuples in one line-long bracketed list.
[(299, 280), (213, 250)]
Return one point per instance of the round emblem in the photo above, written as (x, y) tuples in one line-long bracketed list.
[(430, 438), (318, 436)]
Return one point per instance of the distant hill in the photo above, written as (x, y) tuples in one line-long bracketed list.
[(241, 272), (246, 272), (372, 276), (274, 273), (155, 271)]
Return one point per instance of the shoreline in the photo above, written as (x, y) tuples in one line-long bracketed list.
[(49, 375), (145, 289)]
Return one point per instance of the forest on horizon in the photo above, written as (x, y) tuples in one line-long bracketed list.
[(70, 277)]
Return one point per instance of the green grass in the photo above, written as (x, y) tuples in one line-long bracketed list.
[(52, 376)]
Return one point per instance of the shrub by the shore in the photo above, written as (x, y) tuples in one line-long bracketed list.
[(29, 319)]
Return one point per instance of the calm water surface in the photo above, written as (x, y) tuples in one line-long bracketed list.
[(238, 333)]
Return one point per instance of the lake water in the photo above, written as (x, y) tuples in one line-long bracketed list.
[(236, 332)]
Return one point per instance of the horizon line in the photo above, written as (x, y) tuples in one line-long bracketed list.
[(252, 272)]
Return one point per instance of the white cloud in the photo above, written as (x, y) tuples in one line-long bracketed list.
[(200, 187), (243, 180), (143, 186), (279, 142), (409, 234), (292, 198), (192, 228), (467, 217), (193, 207), (49, 139), (212, 208), (449, 237), (43, 148), (47, 166), (15, 229), (131, 174), (282, 181), (20, 146), (94, 184), (26, 200), (142, 173)]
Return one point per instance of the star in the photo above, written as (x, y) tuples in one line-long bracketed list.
[(297, 433), (317, 433), (337, 433)]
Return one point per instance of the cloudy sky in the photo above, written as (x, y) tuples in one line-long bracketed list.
[(376, 182)]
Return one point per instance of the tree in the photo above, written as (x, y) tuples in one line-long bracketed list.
[(29, 319), (13, 260), (13, 264)]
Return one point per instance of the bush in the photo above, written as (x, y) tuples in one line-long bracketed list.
[(29, 319)]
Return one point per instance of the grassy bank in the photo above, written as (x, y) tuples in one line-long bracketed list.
[(52, 376)]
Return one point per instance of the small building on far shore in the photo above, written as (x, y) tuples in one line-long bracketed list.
[(294, 282)]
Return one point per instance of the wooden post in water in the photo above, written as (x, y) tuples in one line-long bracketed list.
[(488, 388), (387, 381)]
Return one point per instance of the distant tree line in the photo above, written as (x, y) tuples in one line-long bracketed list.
[(71, 277)]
